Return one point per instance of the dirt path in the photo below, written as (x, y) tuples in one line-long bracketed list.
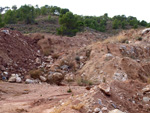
[(33, 98)]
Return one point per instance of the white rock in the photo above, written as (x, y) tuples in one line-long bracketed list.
[(6, 73), (38, 60), (146, 99), (116, 111), (145, 31), (42, 78), (29, 81), (104, 109), (12, 79), (18, 79), (96, 110), (108, 56), (120, 76)]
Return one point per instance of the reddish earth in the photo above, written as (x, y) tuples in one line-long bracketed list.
[(122, 67), (33, 98)]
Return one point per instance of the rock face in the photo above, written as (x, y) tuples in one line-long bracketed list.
[(116, 111)]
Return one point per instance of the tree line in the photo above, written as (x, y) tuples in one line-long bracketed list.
[(70, 23)]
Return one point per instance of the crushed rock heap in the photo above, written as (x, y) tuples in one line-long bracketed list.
[(17, 53)]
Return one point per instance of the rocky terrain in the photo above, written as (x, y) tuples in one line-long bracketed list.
[(95, 72)]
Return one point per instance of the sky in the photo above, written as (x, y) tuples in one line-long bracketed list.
[(136, 8)]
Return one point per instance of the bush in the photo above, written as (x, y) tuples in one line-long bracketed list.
[(1, 22), (35, 73), (68, 24)]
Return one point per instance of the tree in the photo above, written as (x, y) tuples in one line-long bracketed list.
[(63, 11), (143, 23), (1, 9), (43, 10), (115, 24), (14, 7), (9, 17), (1, 22), (68, 24), (26, 13), (7, 8)]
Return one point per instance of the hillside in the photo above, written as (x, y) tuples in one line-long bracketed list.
[(53, 61), (56, 20)]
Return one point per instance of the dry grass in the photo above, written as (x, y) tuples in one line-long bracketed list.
[(115, 39), (78, 106), (124, 36), (61, 108), (35, 73), (83, 81)]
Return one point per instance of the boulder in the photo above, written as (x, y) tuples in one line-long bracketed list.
[(12, 79), (146, 89), (145, 31), (116, 111), (108, 56), (42, 78), (105, 88), (55, 78), (18, 80), (97, 110), (29, 81), (146, 99)]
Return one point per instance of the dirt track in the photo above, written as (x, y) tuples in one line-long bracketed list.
[(33, 98)]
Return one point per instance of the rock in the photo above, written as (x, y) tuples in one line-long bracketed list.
[(104, 109), (64, 67), (145, 31), (42, 78), (97, 110), (146, 99), (56, 78), (146, 89), (108, 56), (18, 79), (5, 31), (2, 68), (120, 76), (116, 111), (12, 79), (6, 73), (4, 78), (105, 88), (38, 61), (29, 81)]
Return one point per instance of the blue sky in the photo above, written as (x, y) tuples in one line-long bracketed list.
[(137, 8)]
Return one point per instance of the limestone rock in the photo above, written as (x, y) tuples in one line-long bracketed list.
[(116, 111), (146, 99), (105, 88), (55, 78), (42, 78), (12, 79), (97, 110), (108, 56), (18, 79), (29, 81)]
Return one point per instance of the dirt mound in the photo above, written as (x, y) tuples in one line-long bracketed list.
[(126, 96), (17, 52)]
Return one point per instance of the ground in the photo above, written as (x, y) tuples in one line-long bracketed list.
[(33, 98)]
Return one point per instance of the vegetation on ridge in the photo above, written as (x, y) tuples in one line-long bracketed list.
[(69, 23)]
